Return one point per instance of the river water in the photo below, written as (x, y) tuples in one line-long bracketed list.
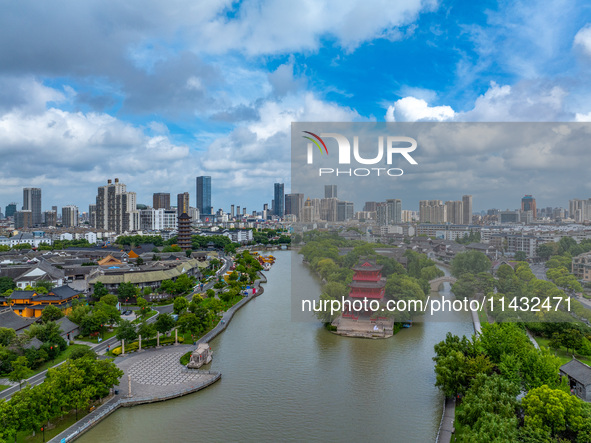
[(284, 380)]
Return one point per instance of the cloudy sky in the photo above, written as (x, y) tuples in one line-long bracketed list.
[(156, 93)]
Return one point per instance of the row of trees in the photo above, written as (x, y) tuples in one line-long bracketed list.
[(71, 386)]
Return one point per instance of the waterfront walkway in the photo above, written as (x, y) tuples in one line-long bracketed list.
[(156, 374), (446, 427)]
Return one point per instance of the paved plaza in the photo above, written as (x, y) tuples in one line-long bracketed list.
[(158, 372)]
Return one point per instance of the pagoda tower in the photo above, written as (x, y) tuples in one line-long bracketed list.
[(367, 284)]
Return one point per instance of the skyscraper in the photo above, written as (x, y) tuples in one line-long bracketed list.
[(390, 212), (32, 202), (182, 204), (467, 209), (455, 212), (116, 208), (204, 195), (70, 216), (528, 203), (330, 191), (23, 219), (10, 210), (294, 204), (279, 200), (161, 200)]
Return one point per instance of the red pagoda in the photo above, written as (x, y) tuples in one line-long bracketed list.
[(367, 284)]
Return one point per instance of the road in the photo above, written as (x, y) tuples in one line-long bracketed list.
[(101, 347)]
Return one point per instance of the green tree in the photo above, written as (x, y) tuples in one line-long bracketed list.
[(189, 322), (180, 305), (164, 323), (183, 284), (552, 409), (51, 313), (571, 339), (6, 336), (112, 314), (520, 256), (110, 299), (20, 371), (470, 261), (168, 287), (545, 250), (6, 283), (99, 290), (126, 291), (126, 331), (143, 305), (147, 330)]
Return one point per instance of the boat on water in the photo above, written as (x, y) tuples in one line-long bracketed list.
[(200, 356)]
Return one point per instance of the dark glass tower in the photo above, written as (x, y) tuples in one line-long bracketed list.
[(204, 195)]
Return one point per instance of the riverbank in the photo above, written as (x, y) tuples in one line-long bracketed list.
[(155, 375)]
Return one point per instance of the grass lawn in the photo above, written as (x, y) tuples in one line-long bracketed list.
[(561, 353), (457, 425), (482, 316), (151, 314), (3, 387), (95, 339)]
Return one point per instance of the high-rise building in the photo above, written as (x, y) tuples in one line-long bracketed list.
[(294, 204), (528, 203), (328, 209), (345, 211), (182, 204), (455, 212), (467, 209), (232, 211), (370, 206), (330, 191), (70, 216), (579, 210), (161, 200), (390, 212), (279, 200), (116, 209), (310, 211), (10, 210), (23, 219), (204, 195), (50, 218), (92, 215), (158, 219), (432, 211), (32, 202)]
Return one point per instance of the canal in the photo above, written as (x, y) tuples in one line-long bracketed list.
[(285, 380)]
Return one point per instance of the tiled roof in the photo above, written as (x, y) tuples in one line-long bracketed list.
[(577, 370)]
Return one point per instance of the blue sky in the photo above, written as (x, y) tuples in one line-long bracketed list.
[(157, 93)]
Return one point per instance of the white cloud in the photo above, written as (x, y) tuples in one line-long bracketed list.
[(583, 39), (414, 109)]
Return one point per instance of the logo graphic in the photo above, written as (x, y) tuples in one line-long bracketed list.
[(388, 148), (315, 142)]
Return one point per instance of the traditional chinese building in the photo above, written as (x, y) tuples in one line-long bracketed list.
[(367, 284), (32, 303), (358, 319)]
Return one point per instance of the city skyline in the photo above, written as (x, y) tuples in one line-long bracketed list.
[(412, 205)]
